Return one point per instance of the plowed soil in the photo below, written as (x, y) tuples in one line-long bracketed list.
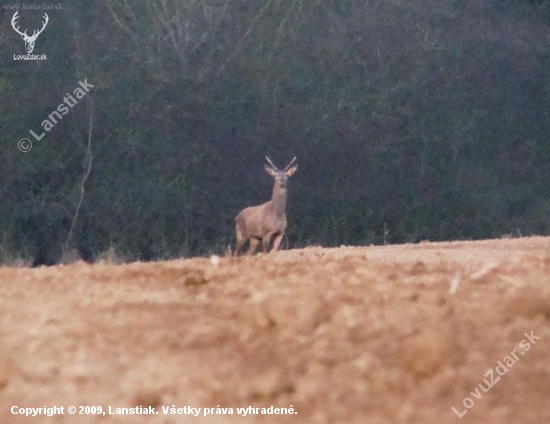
[(387, 334)]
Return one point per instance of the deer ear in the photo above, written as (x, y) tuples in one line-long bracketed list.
[(291, 171), (270, 170)]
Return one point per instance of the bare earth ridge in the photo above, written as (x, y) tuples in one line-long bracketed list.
[(386, 334)]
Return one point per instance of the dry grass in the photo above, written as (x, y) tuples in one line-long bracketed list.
[(348, 335)]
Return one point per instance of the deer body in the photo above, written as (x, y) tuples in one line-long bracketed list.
[(263, 222)]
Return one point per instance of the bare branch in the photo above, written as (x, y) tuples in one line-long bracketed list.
[(84, 178), (242, 41)]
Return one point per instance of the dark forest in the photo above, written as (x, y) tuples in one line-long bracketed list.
[(411, 121)]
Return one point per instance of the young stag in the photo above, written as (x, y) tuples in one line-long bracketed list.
[(266, 221)]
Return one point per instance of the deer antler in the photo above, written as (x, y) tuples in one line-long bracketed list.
[(13, 23), (271, 163), (290, 164), (46, 20)]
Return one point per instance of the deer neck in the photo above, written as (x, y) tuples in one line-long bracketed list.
[(278, 200)]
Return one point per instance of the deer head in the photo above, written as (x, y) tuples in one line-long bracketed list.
[(29, 40), (281, 176)]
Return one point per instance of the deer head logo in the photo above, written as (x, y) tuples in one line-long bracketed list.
[(29, 40)]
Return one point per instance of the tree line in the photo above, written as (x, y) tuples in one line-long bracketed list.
[(410, 121)]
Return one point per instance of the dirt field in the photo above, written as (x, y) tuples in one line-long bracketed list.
[(394, 334)]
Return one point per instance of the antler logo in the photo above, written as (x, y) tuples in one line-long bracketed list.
[(29, 40)]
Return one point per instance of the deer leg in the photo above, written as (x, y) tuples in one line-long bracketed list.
[(240, 244), (241, 240), (277, 242), (253, 245), (265, 241)]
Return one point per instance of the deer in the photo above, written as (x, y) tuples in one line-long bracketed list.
[(263, 222), (29, 40)]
